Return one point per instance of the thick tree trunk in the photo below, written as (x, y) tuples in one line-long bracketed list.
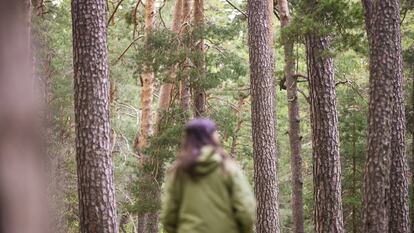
[(185, 88), (294, 124), (199, 93), (399, 211), (263, 114), (385, 184), (93, 146), (325, 136)]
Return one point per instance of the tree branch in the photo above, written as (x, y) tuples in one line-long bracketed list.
[(238, 9), (113, 13), (123, 53), (304, 95)]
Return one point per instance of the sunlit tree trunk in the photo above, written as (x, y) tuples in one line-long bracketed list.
[(145, 221), (199, 93), (93, 146), (385, 182), (166, 88), (262, 85), (185, 91), (294, 123)]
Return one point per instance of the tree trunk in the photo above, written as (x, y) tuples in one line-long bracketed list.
[(142, 223), (185, 91), (238, 117), (146, 126), (93, 146), (385, 184), (199, 93), (354, 175), (412, 144), (325, 136), (294, 124), (399, 211), (263, 114), (22, 195)]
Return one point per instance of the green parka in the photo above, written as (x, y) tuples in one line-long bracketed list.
[(217, 200)]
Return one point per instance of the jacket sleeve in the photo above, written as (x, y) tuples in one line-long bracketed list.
[(244, 204), (170, 203)]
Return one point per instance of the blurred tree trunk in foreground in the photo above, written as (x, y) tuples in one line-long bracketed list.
[(22, 197)]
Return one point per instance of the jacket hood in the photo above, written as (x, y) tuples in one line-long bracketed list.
[(208, 161)]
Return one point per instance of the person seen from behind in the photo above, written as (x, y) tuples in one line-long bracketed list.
[(205, 191)]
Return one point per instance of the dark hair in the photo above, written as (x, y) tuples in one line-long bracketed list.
[(198, 133)]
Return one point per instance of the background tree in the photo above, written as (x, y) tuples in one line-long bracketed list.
[(93, 140), (294, 121)]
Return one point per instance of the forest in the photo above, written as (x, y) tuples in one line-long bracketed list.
[(314, 99)]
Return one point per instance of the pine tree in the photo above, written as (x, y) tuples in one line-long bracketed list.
[(93, 147), (294, 122), (263, 114)]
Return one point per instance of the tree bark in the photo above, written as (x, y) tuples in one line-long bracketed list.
[(199, 92), (294, 123), (385, 183), (325, 136), (263, 114), (93, 146)]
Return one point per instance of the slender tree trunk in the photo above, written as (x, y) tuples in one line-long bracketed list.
[(146, 129), (385, 184), (263, 114), (147, 83), (93, 155), (412, 146), (199, 93), (294, 124), (325, 136), (185, 89), (166, 88), (354, 178), (237, 113)]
